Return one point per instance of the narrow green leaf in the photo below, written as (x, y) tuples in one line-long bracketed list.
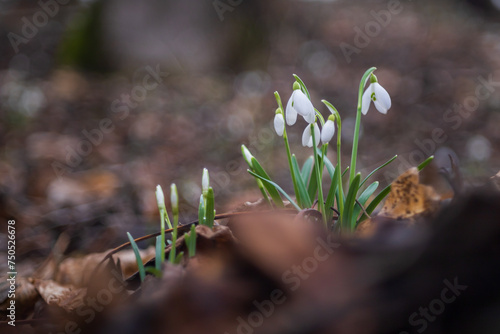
[(365, 195), (330, 198), (277, 187), (210, 215), (305, 173), (201, 211), (350, 201), (378, 168), (154, 271), (178, 258), (376, 201), (140, 265), (191, 241), (302, 86), (158, 253), (305, 200), (425, 163), (269, 187)]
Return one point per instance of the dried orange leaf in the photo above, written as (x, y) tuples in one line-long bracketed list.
[(408, 198)]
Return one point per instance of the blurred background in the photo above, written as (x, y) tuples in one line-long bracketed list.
[(100, 101)]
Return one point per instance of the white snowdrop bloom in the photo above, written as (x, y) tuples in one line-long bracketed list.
[(247, 155), (279, 123), (376, 93), (298, 104), (159, 197), (307, 139), (174, 198), (328, 131), (204, 181)]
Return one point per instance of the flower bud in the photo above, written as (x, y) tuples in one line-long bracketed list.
[(205, 182), (174, 199)]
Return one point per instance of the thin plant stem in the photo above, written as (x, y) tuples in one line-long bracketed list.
[(354, 155), (321, 200), (340, 203)]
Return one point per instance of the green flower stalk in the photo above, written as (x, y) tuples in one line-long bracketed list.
[(160, 198), (174, 201), (354, 154)]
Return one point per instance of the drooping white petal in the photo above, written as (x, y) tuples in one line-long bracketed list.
[(279, 124), (306, 137), (301, 103), (382, 99), (317, 134), (328, 131), (310, 118), (365, 101), (290, 112)]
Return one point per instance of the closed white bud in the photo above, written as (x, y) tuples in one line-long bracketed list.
[(279, 123), (205, 183), (174, 199), (159, 197), (328, 131), (247, 155)]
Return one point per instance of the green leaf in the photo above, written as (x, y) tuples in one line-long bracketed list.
[(425, 163), (305, 201), (158, 250), (210, 208), (305, 173), (277, 187), (376, 201), (378, 168), (330, 198), (302, 86), (154, 271), (178, 258), (350, 201), (365, 195), (269, 187), (140, 265), (190, 239), (201, 211)]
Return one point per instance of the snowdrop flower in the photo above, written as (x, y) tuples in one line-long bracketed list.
[(247, 155), (328, 130), (376, 93), (299, 104), (159, 197), (307, 139), (174, 199), (204, 182), (279, 122)]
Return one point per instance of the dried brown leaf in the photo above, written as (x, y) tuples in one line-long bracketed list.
[(67, 297), (408, 198)]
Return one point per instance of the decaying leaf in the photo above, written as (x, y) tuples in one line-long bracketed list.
[(78, 271), (408, 198), (67, 297), (407, 201)]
